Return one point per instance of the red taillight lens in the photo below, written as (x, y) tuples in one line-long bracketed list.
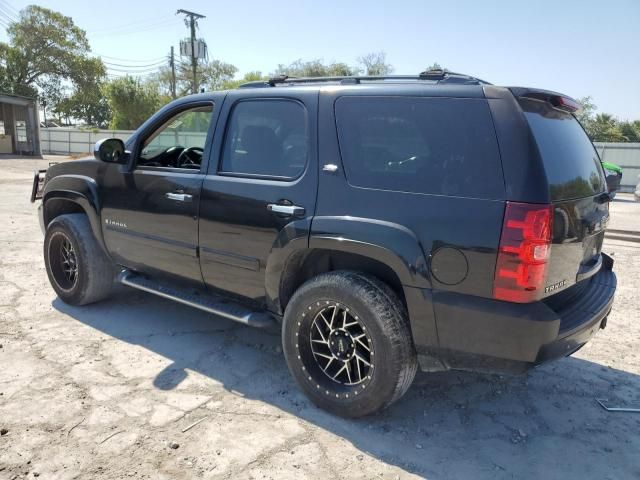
[(525, 245)]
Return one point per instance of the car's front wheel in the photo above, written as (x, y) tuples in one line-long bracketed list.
[(347, 342), (77, 267)]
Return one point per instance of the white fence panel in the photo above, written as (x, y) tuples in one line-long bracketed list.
[(70, 141), (627, 157)]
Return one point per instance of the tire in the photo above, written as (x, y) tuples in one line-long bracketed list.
[(69, 243), (381, 324)]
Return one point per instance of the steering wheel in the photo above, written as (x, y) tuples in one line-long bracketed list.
[(190, 158)]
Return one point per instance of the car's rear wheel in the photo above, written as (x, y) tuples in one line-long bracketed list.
[(77, 267), (347, 342)]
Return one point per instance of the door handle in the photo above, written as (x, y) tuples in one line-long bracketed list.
[(179, 197), (291, 210)]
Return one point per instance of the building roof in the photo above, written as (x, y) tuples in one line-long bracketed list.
[(16, 99)]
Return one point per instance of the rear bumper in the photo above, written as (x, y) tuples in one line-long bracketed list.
[(489, 335)]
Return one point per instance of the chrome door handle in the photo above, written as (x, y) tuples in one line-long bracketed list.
[(292, 210), (179, 197)]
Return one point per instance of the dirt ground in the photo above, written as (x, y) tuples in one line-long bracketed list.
[(108, 391)]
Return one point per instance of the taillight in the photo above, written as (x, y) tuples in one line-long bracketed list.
[(525, 245)]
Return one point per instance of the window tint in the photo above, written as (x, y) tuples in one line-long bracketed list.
[(424, 145), (266, 137), (570, 160)]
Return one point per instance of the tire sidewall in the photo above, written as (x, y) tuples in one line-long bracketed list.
[(382, 383), (75, 294)]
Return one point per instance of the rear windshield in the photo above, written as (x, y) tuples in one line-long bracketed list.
[(570, 160), (440, 146)]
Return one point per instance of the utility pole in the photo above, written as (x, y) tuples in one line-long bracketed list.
[(194, 60), (172, 64)]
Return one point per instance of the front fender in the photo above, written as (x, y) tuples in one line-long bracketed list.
[(79, 189)]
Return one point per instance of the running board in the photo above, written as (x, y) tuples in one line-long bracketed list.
[(207, 302)]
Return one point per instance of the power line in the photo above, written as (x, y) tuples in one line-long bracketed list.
[(7, 17), (131, 60), (156, 64), (125, 70), (9, 8)]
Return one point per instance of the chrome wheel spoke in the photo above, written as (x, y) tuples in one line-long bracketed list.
[(364, 345), (360, 359), (347, 365), (333, 316), (324, 340), (341, 346), (325, 321), (340, 371)]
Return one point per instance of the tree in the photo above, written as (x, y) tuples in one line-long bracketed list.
[(87, 104), (315, 68), (211, 75), (375, 64), (586, 113), (630, 130), (254, 76), (132, 101), (46, 50), (604, 128), (435, 66)]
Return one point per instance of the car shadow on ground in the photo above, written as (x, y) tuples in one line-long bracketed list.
[(449, 425)]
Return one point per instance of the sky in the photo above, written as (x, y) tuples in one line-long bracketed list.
[(580, 48)]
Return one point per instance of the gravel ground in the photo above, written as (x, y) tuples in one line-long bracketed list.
[(108, 391)]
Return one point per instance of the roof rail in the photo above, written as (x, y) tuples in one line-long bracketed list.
[(438, 76)]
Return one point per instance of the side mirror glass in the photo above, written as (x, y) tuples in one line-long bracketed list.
[(110, 150)]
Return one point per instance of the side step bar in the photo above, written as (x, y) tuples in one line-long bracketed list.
[(207, 302)]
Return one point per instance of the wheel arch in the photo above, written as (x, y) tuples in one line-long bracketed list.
[(73, 194), (396, 257)]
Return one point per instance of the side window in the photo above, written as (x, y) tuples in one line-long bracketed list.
[(179, 142), (266, 138), (439, 146)]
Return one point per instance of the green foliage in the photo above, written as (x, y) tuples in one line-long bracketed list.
[(132, 102), (45, 51), (586, 113), (315, 68), (211, 75), (248, 77), (604, 127), (88, 104), (435, 66), (630, 130), (375, 64)]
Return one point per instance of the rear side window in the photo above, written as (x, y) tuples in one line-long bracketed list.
[(440, 146), (570, 160), (266, 137)]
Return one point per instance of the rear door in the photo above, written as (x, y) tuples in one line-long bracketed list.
[(260, 190), (577, 189)]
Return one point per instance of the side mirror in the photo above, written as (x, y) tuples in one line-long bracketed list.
[(110, 150), (613, 179)]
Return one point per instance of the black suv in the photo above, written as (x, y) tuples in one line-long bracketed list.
[(382, 223)]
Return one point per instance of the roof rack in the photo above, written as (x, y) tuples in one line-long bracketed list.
[(437, 76)]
